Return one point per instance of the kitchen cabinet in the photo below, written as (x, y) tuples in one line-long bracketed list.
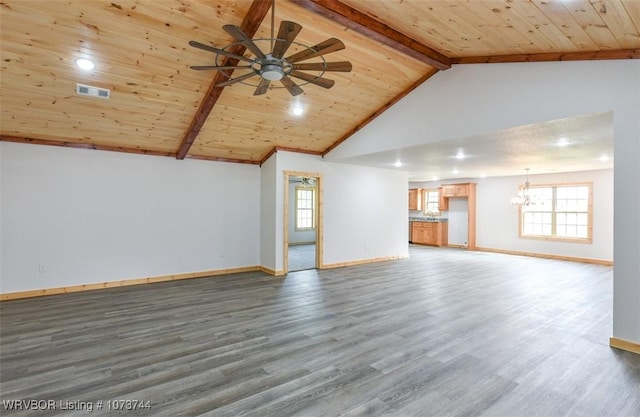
[(429, 233), (443, 202), (455, 190), (415, 199), (468, 191)]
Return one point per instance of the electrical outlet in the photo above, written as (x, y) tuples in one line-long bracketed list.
[(42, 267)]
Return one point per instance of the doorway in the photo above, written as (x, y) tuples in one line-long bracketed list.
[(302, 221)]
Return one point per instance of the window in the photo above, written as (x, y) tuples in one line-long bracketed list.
[(559, 212), (431, 203), (305, 206)]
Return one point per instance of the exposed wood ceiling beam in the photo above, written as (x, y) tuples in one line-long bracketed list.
[(378, 31), (556, 56), (250, 25), (381, 110)]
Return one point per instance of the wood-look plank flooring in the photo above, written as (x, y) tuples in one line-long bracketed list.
[(301, 257), (446, 332)]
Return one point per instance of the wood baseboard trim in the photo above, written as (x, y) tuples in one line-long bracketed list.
[(174, 277), (542, 255), (624, 345), (363, 261), (123, 283), (274, 272)]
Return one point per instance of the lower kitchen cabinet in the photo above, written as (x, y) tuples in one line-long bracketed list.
[(429, 233)]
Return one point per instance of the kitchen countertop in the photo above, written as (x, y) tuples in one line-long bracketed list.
[(429, 219)]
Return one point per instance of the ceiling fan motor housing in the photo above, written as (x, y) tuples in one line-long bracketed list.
[(271, 69)]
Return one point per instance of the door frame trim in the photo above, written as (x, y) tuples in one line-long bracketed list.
[(319, 217)]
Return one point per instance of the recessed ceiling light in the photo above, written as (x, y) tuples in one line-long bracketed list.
[(398, 164), (460, 155), (562, 142), (455, 171), (85, 64)]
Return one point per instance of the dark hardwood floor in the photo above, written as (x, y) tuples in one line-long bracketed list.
[(444, 333)]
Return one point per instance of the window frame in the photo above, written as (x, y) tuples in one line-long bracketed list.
[(553, 237), (425, 202), (312, 209)]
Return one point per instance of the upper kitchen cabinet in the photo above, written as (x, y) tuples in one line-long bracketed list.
[(455, 190), (415, 199), (443, 202)]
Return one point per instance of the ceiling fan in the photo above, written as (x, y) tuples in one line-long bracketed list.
[(305, 181), (274, 66)]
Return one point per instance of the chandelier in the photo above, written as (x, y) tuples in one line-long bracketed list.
[(524, 196)]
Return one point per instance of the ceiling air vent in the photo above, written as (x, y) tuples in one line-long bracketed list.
[(87, 90)]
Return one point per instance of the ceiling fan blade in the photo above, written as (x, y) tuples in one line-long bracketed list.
[(199, 45), (215, 67), (286, 34), (293, 88), (322, 82), (330, 45), (239, 35), (262, 87), (236, 80), (341, 66)]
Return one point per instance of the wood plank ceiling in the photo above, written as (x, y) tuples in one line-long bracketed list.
[(160, 106)]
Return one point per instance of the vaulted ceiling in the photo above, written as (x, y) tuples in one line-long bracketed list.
[(159, 106)]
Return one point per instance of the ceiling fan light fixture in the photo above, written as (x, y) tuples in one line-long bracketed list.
[(271, 72)]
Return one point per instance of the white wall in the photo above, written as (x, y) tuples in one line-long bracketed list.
[(365, 210), (497, 225), (94, 217), (458, 224), (626, 286), (1, 217), (473, 99), (497, 219), (268, 213), (365, 213)]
